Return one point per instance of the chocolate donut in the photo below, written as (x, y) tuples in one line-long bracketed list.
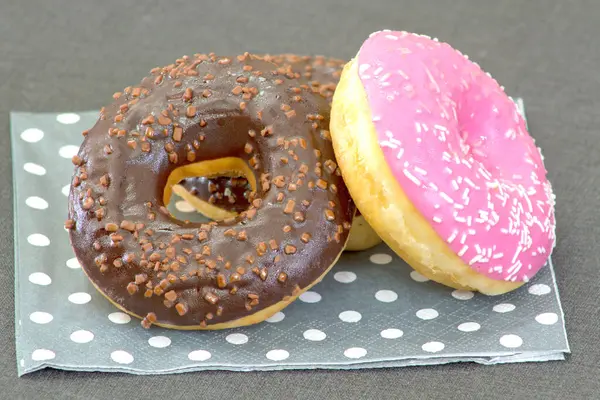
[(322, 75), (209, 116)]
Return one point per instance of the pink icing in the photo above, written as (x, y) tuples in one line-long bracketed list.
[(460, 150)]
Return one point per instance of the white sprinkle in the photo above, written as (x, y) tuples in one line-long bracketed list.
[(418, 126), (437, 219), (463, 251), (463, 238), (385, 77), (376, 118), (478, 257), (448, 170), (436, 206), (516, 255), (420, 171), (412, 177), (363, 67), (452, 236), (446, 197), (510, 134), (471, 231), (446, 156), (469, 220), (402, 74), (400, 153), (458, 218), (432, 80), (391, 37), (377, 71), (454, 185), (469, 182)]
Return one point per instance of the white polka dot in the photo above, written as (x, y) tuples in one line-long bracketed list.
[(22, 363), (160, 342), (121, 357), (345, 276), (68, 118), (80, 298), (386, 296), (237, 338), (433, 347), (417, 277), (32, 135), (184, 206), (40, 278), (310, 297), (66, 189), (539, 289), (350, 316), (462, 294), (41, 317), (73, 263), (68, 151), (36, 202), (277, 355), (427, 314), (314, 335), (119, 318), (82, 336), (34, 169), (42, 355), (504, 307), (355, 352), (277, 317), (392, 333), (549, 318), (511, 341), (199, 355), (37, 239), (469, 327), (380, 258)]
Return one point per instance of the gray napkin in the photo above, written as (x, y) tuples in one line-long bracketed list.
[(370, 311)]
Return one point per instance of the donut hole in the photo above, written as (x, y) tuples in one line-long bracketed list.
[(215, 189)]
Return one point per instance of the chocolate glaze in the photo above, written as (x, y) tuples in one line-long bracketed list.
[(204, 108)]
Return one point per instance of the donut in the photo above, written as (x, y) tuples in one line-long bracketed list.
[(440, 163), (209, 115), (228, 198)]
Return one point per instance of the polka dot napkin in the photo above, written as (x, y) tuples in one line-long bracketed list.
[(371, 311)]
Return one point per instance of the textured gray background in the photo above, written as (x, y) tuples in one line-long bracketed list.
[(57, 55)]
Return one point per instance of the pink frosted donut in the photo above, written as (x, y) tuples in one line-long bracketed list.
[(439, 161)]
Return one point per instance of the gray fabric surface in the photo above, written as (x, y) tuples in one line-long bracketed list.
[(57, 55), (370, 311)]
